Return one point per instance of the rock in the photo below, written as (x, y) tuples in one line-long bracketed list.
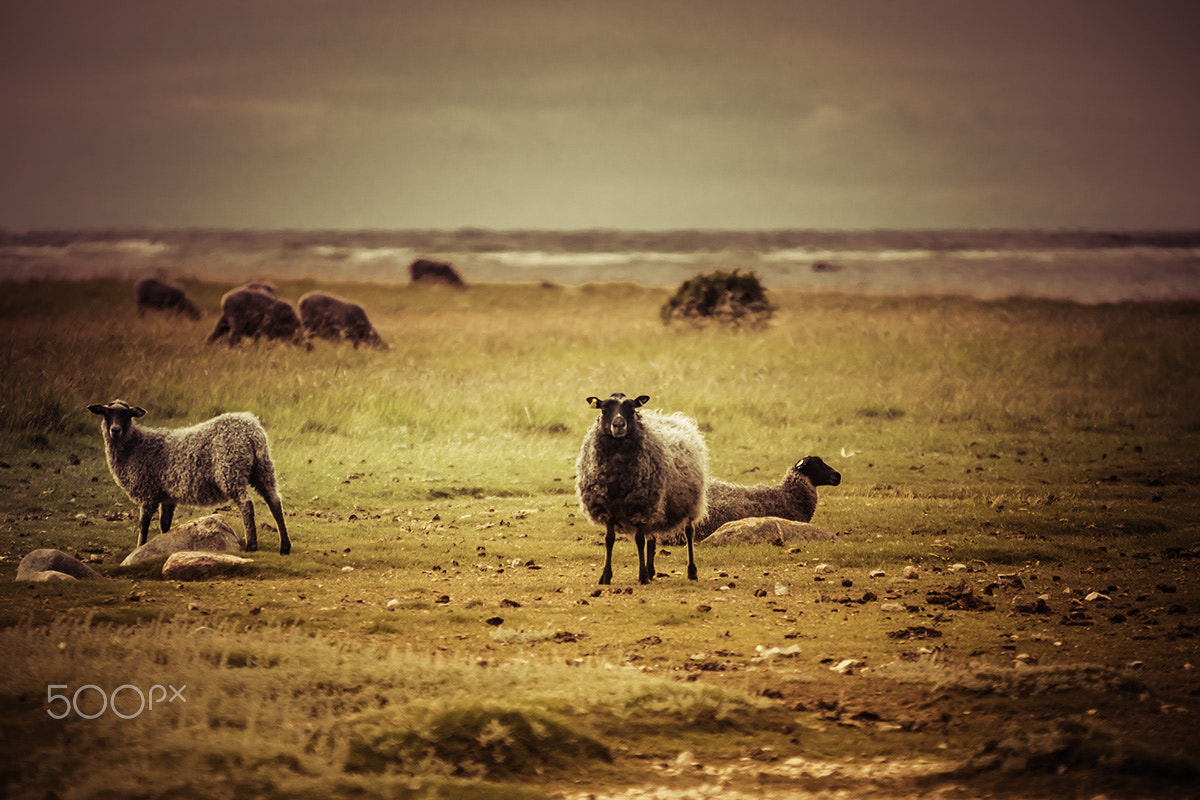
[(209, 534), (959, 568), (911, 572), (877, 573), (195, 565), (848, 666), (47, 560), (771, 530), (824, 569), (50, 576)]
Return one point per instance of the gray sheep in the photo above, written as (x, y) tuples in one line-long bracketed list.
[(794, 498), (331, 317), (151, 294), (204, 465), (255, 310), (645, 471)]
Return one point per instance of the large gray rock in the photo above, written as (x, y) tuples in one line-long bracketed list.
[(46, 560), (772, 530), (212, 534), (198, 566)]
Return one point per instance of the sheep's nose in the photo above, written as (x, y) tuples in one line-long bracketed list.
[(619, 427)]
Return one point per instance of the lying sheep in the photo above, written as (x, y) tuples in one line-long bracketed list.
[(645, 471), (203, 465), (151, 294), (794, 498), (256, 311), (331, 317)]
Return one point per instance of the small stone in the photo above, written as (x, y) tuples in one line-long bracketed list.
[(891, 608), (911, 572), (197, 565), (824, 569), (959, 568), (877, 573), (781, 590), (1092, 597), (847, 666), (393, 604)]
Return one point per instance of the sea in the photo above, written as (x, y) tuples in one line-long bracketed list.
[(1078, 266)]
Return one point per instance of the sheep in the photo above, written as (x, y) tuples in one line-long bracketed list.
[(330, 317), (155, 295), (645, 471), (203, 465), (794, 498), (253, 310), (435, 273)]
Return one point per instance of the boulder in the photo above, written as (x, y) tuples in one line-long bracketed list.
[(50, 576), (46, 560), (211, 534), (772, 530), (193, 565)]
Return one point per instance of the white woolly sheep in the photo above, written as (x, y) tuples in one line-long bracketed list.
[(206, 464), (794, 498), (645, 471)]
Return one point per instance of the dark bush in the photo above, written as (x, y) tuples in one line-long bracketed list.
[(731, 298)]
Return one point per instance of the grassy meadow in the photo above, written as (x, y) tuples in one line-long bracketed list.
[(438, 630)]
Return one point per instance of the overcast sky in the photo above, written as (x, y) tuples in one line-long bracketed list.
[(643, 114)]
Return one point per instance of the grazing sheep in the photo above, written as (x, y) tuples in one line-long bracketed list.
[(795, 498), (330, 317), (423, 270), (151, 294), (254, 311), (642, 471), (206, 464)]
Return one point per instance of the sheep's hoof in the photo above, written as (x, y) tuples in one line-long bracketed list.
[(605, 578), (285, 549), (692, 573), (251, 547)]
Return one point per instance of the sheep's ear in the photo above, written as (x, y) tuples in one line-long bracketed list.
[(97, 409), (138, 412), (641, 401), (594, 402), (800, 464)]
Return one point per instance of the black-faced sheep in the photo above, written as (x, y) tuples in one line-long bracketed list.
[(209, 463), (330, 317), (151, 294), (253, 311), (645, 471), (438, 273), (794, 498)]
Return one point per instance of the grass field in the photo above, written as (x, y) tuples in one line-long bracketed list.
[(438, 630)]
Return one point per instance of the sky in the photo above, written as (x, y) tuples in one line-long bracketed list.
[(568, 114)]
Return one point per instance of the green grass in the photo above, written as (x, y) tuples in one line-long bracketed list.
[(1051, 440)]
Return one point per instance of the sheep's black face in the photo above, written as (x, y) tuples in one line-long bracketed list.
[(818, 472), (118, 418), (618, 413)]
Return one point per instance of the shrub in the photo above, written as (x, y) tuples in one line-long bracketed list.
[(731, 298)]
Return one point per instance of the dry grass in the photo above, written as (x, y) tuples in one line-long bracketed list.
[(1051, 441)]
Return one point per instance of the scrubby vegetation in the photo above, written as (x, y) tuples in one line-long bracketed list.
[(732, 298)]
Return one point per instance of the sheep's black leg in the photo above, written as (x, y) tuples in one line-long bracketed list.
[(168, 513), (144, 526), (651, 546), (690, 532), (248, 520), (609, 538), (640, 539), (285, 544)]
